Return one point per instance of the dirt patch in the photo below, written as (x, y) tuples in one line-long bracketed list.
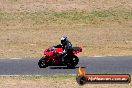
[(62, 5), (29, 42), (29, 26)]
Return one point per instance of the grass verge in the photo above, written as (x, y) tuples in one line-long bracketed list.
[(102, 32), (68, 17), (50, 82)]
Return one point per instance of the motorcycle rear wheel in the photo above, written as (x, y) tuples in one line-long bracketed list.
[(72, 63)]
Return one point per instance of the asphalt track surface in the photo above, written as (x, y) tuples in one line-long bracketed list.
[(92, 65)]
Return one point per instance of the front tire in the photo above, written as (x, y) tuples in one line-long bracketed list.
[(42, 63)]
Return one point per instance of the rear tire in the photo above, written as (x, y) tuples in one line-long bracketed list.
[(72, 63), (42, 63)]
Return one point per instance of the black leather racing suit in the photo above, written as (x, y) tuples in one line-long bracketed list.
[(67, 49), (66, 45)]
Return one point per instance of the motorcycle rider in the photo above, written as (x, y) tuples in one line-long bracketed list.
[(66, 46)]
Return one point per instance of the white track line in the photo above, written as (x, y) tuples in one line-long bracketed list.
[(98, 56), (15, 58), (20, 75), (35, 75)]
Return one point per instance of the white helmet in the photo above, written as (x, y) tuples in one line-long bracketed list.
[(63, 39)]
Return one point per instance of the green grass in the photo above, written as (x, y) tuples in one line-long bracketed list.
[(68, 17)]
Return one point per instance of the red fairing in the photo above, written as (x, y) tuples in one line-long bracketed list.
[(76, 50), (49, 51), (53, 55), (58, 50)]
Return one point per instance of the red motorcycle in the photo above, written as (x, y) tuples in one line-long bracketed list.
[(53, 57)]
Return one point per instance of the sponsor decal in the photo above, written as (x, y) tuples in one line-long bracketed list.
[(83, 78)]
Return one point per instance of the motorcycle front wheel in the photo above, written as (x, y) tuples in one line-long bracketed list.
[(42, 63)]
